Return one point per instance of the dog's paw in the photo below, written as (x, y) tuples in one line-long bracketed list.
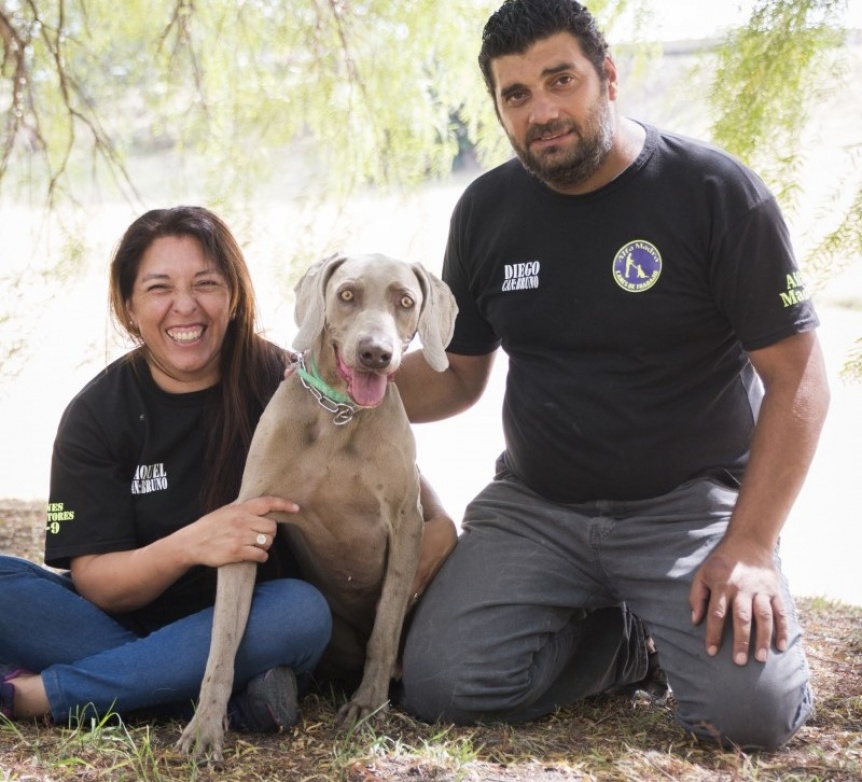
[(355, 711), (202, 740)]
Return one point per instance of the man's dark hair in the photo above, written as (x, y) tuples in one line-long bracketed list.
[(518, 24)]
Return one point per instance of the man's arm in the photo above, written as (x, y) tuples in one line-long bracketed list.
[(432, 396), (739, 579), (439, 536)]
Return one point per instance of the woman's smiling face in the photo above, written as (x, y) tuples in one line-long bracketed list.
[(180, 304)]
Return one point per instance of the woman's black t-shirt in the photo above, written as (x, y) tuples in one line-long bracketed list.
[(128, 468)]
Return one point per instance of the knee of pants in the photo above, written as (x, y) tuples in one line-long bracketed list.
[(289, 616), (12, 566), (439, 686), (428, 677), (759, 715), (433, 696)]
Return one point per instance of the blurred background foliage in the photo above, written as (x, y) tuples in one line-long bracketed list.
[(321, 99)]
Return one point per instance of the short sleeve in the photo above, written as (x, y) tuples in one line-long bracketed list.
[(473, 334), (757, 282), (89, 508)]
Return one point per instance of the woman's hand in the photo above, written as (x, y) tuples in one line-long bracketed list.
[(239, 532), (125, 580)]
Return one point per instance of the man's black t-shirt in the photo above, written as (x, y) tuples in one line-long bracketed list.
[(626, 314), (128, 466)]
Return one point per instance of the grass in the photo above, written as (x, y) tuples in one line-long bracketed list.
[(604, 739)]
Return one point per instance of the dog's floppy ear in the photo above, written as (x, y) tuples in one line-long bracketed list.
[(310, 310), (437, 319)]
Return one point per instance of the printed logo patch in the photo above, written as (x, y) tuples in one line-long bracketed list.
[(637, 266), (149, 478), (57, 513), (796, 291), (521, 276)]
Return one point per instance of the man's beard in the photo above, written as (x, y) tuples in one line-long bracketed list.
[(563, 169)]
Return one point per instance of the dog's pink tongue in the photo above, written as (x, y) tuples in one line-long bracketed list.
[(367, 388)]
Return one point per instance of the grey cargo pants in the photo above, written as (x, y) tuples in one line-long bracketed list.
[(541, 604)]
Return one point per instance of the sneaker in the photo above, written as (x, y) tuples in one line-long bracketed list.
[(7, 699), (268, 704), (654, 686), (7, 689), (655, 683)]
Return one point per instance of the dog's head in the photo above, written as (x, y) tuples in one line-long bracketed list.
[(368, 308)]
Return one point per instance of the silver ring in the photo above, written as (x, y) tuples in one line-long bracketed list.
[(260, 540)]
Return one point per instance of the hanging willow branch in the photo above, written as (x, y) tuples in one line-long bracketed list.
[(22, 33), (20, 121)]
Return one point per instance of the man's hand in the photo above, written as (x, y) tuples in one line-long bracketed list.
[(739, 581)]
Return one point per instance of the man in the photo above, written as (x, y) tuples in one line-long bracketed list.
[(664, 399)]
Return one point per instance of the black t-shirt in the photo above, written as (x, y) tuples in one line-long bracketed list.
[(626, 314), (128, 468)]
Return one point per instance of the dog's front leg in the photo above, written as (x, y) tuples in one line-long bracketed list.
[(382, 649), (205, 733)]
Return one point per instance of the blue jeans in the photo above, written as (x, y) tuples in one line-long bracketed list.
[(88, 661), (540, 604)]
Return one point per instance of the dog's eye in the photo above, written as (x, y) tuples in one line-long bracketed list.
[(407, 302), (346, 295)]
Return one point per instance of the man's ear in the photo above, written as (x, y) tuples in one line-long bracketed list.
[(611, 77)]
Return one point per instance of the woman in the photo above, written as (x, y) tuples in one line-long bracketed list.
[(147, 460)]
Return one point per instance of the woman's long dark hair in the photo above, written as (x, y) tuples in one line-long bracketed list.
[(250, 367)]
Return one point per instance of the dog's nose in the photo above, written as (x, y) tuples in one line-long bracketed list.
[(374, 355)]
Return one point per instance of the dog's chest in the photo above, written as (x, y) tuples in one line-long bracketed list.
[(354, 484)]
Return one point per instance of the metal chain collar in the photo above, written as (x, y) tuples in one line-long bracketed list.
[(343, 413)]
